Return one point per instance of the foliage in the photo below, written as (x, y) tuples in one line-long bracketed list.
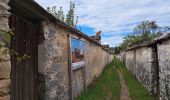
[(136, 90), (146, 28), (107, 87), (69, 19), (58, 14), (5, 41), (70, 15), (144, 32)]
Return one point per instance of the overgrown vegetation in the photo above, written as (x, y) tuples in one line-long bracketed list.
[(145, 31), (69, 18), (107, 87), (5, 42), (137, 92)]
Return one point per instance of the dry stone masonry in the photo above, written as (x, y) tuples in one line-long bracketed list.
[(5, 64)]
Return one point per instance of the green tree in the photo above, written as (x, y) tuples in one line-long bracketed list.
[(146, 28), (143, 32), (70, 15), (58, 14)]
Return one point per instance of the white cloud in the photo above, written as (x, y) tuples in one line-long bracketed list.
[(113, 16)]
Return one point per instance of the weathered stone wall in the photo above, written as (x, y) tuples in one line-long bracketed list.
[(146, 68), (122, 56), (150, 64), (78, 81), (164, 69), (142, 62), (96, 59), (130, 62), (53, 64), (5, 64)]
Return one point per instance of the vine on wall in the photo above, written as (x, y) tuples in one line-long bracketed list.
[(5, 42)]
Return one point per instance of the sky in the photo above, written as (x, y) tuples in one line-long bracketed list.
[(115, 18), (77, 44)]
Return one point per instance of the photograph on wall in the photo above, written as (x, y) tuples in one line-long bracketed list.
[(77, 50)]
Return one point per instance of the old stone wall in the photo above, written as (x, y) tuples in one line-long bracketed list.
[(53, 64), (164, 69), (150, 64), (142, 62), (5, 64)]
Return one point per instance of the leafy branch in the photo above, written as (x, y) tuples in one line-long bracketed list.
[(5, 42)]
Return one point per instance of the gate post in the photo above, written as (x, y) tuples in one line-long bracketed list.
[(5, 63)]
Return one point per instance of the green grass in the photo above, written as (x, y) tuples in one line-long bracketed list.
[(137, 92), (107, 87)]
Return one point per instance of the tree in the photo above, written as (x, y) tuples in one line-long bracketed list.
[(70, 15), (60, 14), (144, 32), (146, 28)]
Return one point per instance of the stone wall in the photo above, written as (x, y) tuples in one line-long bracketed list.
[(150, 64), (5, 64), (142, 62), (164, 69), (53, 64)]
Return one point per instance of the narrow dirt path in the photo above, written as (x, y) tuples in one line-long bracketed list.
[(124, 90)]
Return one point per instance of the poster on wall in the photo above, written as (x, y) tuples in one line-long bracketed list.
[(77, 50)]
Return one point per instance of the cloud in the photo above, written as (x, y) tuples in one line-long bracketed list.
[(115, 17)]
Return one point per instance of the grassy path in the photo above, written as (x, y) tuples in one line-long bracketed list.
[(124, 90), (107, 87), (137, 92)]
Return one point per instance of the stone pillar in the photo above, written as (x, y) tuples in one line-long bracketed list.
[(5, 64)]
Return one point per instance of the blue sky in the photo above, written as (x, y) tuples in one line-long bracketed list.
[(116, 18), (77, 44)]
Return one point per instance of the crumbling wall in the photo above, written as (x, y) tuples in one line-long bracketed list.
[(164, 69), (5, 63), (53, 64)]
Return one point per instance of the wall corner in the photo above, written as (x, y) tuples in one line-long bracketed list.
[(5, 63)]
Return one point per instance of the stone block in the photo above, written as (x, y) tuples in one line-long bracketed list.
[(2, 56), (5, 97), (4, 87), (5, 69)]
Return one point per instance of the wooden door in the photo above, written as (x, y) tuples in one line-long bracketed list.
[(24, 75)]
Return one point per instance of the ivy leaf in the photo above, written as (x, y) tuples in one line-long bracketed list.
[(5, 51), (6, 37), (11, 33), (19, 59)]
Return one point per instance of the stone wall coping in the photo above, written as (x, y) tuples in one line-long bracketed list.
[(151, 43), (44, 15)]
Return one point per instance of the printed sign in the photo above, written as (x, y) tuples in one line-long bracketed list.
[(77, 50)]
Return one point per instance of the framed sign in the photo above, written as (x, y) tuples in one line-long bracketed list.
[(77, 52)]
